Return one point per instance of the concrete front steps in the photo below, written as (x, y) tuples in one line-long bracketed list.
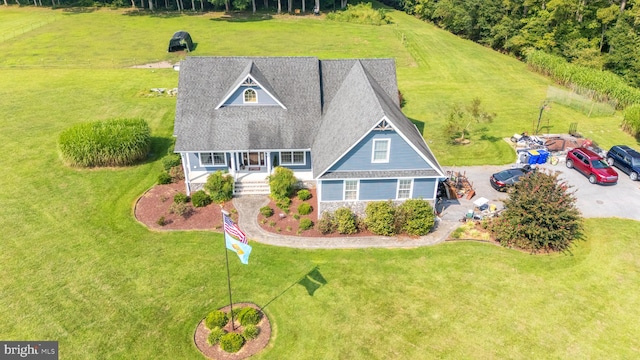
[(255, 187)]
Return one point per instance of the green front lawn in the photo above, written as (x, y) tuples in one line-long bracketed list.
[(76, 267)]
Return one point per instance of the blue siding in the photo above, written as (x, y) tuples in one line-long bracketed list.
[(378, 189), (331, 190), (424, 188), (237, 98), (194, 161), (401, 155)]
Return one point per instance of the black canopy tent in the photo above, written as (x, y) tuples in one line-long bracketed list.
[(181, 40)]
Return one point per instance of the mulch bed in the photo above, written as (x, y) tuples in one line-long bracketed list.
[(250, 348)]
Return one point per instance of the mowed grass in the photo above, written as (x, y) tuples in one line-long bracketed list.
[(76, 267)]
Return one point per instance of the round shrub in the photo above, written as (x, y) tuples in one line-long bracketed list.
[(200, 199), (281, 183), (215, 335), (380, 218), (164, 178), (116, 142), (415, 217), (181, 209), (305, 209), (170, 161), (215, 319), (248, 316), (305, 224), (231, 342), (180, 198), (304, 194), (266, 211), (220, 187), (283, 204), (250, 332), (345, 221), (326, 224)]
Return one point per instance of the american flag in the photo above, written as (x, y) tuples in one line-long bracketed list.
[(232, 229)]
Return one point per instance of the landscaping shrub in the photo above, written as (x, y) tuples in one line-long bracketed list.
[(296, 216), (415, 217), (200, 199), (180, 198), (171, 161), (215, 335), (305, 224), (631, 121), (266, 211), (231, 342), (176, 173), (161, 221), (304, 194), (380, 218), (283, 204), (281, 183), (181, 209), (326, 224), (116, 142), (216, 318), (345, 221), (250, 332), (220, 187), (540, 215), (305, 209), (164, 178), (248, 316), (362, 13)]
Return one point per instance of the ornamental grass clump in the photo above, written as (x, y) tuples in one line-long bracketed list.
[(117, 142), (540, 216)]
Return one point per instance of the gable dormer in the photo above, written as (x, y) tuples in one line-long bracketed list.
[(251, 89)]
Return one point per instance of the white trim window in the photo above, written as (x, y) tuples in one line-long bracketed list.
[(380, 153), (292, 158), (250, 96), (213, 159), (405, 188), (351, 189)]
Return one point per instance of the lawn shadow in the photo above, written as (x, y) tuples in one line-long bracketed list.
[(419, 124), (159, 148), (311, 281), (243, 17)]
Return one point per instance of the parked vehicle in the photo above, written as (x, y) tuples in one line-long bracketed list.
[(625, 159), (502, 180), (592, 166)]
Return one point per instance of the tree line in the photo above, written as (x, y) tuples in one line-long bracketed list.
[(600, 34)]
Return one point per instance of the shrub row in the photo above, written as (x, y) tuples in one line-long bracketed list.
[(116, 142), (362, 13), (605, 85)]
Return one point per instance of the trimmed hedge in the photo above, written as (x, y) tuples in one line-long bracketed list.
[(304, 194), (116, 142), (305, 209), (380, 218), (345, 221), (415, 217)]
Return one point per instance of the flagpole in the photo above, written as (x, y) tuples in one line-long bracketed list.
[(226, 255)]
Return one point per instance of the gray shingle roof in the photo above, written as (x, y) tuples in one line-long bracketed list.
[(330, 105)]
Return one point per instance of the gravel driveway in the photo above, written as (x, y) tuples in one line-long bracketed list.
[(621, 200)]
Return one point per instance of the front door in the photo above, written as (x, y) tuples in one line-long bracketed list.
[(252, 161)]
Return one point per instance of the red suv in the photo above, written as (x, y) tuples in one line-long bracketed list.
[(592, 166)]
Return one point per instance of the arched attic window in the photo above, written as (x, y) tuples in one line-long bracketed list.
[(250, 96)]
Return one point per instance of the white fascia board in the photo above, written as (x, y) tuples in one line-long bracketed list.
[(240, 84)]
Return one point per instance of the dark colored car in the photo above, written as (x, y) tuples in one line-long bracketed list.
[(592, 166), (625, 159), (505, 178)]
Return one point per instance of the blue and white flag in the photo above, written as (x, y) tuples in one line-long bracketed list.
[(243, 250)]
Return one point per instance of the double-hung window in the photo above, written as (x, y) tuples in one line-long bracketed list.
[(380, 151), (351, 189), (292, 158), (213, 159), (404, 188)]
